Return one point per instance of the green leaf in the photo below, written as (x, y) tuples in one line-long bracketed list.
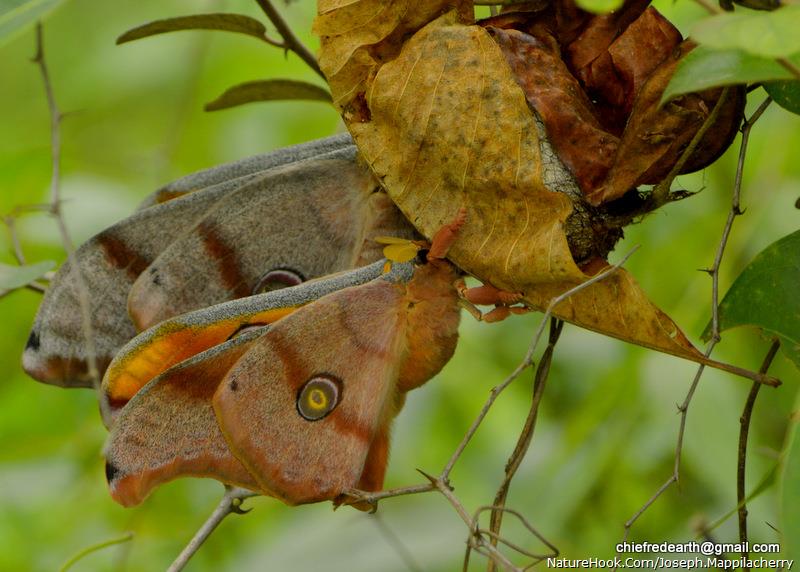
[(600, 6), (268, 90), (789, 490), (12, 277), (704, 68), (785, 93), (238, 23), (765, 295), (769, 34), (16, 15)]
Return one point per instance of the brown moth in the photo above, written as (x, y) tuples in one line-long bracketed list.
[(256, 225), (300, 409)]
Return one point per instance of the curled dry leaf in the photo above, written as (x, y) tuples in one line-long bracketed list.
[(438, 114), (601, 104), (566, 110), (656, 135)]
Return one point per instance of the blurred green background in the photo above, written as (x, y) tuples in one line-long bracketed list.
[(606, 434)]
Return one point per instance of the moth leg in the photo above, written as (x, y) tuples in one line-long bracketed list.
[(500, 313), (446, 236), (461, 287), (486, 295)]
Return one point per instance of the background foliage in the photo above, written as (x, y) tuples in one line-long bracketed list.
[(606, 434)]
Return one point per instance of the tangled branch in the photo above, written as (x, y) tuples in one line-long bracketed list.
[(525, 437), (683, 408)]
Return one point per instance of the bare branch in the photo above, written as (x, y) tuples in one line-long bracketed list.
[(528, 360), (661, 194), (732, 214), (494, 509), (480, 540), (526, 435), (230, 503), (741, 458), (16, 249), (475, 539), (355, 496), (683, 408), (290, 40)]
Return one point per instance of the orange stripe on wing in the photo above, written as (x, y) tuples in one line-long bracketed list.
[(130, 371)]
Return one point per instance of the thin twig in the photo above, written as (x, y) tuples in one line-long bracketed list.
[(16, 249), (525, 523), (230, 503), (735, 211), (290, 40), (477, 539), (127, 537), (741, 458), (56, 212), (526, 435), (660, 194), (355, 496), (683, 408), (760, 487), (528, 360)]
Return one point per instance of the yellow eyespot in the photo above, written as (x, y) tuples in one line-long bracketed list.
[(318, 397)]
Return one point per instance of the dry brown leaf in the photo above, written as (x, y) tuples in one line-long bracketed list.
[(356, 36), (640, 49), (443, 124), (608, 85), (657, 135), (560, 101)]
